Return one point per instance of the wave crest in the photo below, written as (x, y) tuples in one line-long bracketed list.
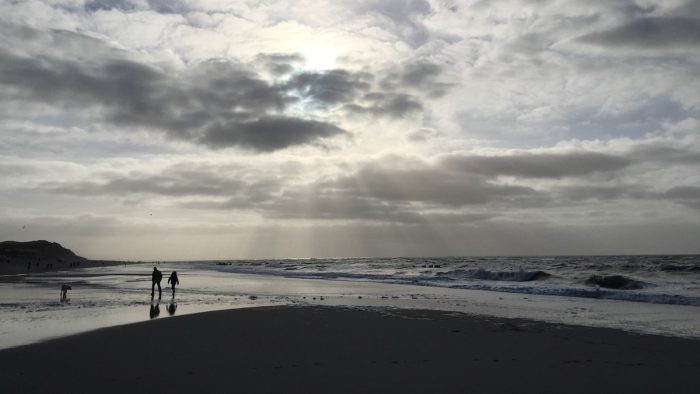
[(484, 274), (615, 282)]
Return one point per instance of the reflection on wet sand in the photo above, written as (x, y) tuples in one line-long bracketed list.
[(155, 309), (172, 307)]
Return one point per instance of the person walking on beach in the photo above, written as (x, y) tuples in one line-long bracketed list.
[(173, 281), (156, 277)]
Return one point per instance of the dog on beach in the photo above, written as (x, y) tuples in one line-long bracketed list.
[(64, 292)]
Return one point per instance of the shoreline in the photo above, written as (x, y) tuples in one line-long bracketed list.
[(104, 297), (340, 349)]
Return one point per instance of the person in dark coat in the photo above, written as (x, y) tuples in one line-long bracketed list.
[(173, 281), (156, 277)]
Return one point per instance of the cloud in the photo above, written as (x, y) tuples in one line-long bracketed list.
[(381, 190), (106, 5), (424, 76), (267, 134), (650, 33), (686, 195), (392, 105), (331, 206), (384, 93), (425, 183), (181, 180), (403, 17), (664, 152), (542, 165), (329, 87), (578, 193), (279, 64), (422, 134), (218, 104)]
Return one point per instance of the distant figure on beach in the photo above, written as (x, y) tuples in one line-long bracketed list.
[(172, 307), (64, 292), (156, 277), (155, 310), (173, 281)]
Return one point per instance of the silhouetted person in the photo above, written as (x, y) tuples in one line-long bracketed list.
[(156, 277), (155, 310), (64, 292), (172, 307), (173, 281)]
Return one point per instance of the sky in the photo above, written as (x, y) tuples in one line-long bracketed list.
[(212, 129)]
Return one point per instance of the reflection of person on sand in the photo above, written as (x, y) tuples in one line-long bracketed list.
[(172, 307), (156, 277), (155, 310), (173, 281)]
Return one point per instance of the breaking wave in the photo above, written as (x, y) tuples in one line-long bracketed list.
[(484, 274)]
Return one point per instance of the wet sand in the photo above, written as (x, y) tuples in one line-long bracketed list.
[(343, 350)]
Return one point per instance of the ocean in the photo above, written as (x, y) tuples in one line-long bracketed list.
[(656, 279)]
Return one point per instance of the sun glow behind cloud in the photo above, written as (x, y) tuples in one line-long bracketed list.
[(319, 57)]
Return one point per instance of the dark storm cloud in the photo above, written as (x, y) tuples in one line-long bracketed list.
[(279, 64), (106, 5), (378, 191), (544, 165), (651, 33), (329, 87), (316, 203), (268, 134), (426, 184), (686, 195), (423, 76), (168, 6), (382, 94), (330, 206), (601, 192), (393, 105), (174, 182), (219, 104), (659, 152)]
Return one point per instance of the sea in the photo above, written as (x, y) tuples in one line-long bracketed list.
[(657, 295), (654, 279)]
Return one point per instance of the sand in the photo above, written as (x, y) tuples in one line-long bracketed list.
[(344, 350)]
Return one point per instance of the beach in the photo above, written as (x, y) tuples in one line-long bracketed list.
[(314, 349), (254, 328)]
